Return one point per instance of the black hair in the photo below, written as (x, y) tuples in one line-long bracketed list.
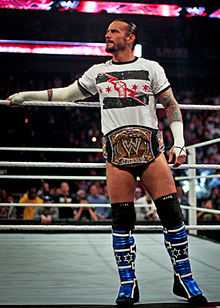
[(132, 29)]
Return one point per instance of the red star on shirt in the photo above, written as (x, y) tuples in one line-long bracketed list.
[(145, 88), (108, 89), (134, 87)]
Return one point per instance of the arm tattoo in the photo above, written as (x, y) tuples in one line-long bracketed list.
[(171, 106)]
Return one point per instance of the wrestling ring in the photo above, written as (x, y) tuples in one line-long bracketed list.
[(73, 266)]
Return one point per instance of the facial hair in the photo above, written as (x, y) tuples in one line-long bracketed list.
[(114, 47)]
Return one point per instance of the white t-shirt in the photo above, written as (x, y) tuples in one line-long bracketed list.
[(126, 92)]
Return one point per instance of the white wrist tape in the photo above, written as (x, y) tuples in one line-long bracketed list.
[(177, 131)]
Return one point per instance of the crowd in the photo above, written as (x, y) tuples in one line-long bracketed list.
[(54, 203), (50, 204)]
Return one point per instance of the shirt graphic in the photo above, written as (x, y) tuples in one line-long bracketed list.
[(127, 95)]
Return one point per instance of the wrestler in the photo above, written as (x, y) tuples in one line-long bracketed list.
[(129, 89)]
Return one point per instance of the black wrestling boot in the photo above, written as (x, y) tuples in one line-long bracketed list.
[(180, 289), (124, 301), (125, 254), (176, 241)]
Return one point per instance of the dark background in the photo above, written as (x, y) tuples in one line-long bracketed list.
[(188, 48)]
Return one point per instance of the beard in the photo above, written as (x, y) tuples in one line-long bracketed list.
[(114, 47), (111, 48)]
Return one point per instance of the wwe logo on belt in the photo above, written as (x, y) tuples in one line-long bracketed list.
[(132, 146)]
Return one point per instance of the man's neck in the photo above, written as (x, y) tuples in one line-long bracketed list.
[(125, 56)]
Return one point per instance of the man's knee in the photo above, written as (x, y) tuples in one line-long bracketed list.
[(123, 215), (169, 211)]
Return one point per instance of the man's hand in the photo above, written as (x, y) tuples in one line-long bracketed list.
[(177, 155), (16, 99), (46, 219)]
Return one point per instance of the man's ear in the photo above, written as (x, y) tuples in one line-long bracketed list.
[(131, 38)]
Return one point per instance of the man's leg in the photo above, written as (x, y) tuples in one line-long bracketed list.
[(159, 182), (121, 187)]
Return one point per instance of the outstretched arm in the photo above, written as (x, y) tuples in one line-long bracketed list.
[(67, 94), (177, 152)]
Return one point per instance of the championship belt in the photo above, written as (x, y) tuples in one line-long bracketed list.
[(130, 146)]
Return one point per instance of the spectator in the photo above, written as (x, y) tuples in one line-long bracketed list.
[(84, 213), (5, 211), (94, 197), (215, 196), (45, 193), (30, 197), (182, 197), (65, 196), (47, 215), (203, 216), (147, 212)]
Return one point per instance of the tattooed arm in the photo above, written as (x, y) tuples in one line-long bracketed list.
[(169, 102), (177, 152)]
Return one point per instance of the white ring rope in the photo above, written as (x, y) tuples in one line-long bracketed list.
[(91, 165), (71, 150), (90, 177), (197, 177), (55, 177), (96, 104), (90, 150), (98, 205), (52, 104), (202, 144), (95, 227), (200, 209), (51, 164), (71, 205)]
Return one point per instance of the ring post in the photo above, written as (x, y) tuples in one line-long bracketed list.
[(192, 190)]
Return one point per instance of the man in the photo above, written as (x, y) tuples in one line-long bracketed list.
[(94, 197), (65, 196), (31, 197), (84, 213), (149, 211), (128, 88)]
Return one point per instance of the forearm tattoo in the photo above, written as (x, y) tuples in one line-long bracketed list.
[(171, 106)]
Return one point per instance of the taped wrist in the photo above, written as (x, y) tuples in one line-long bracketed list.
[(123, 215), (177, 131), (169, 211)]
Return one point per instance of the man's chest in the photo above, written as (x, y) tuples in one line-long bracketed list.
[(123, 84)]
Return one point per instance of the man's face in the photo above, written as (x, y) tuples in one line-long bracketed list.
[(117, 37), (93, 190), (65, 187), (32, 193)]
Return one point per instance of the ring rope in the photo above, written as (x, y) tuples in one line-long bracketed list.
[(71, 150), (90, 177), (202, 144), (90, 150), (91, 165), (51, 164), (98, 205), (52, 104), (95, 227), (182, 178), (55, 177), (96, 104), (71, 205), (200, 209)]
